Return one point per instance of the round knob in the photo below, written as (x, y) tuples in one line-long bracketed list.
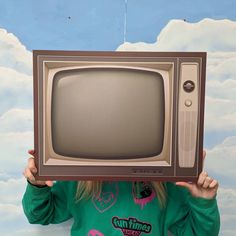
[(188, 86), (188, 103)]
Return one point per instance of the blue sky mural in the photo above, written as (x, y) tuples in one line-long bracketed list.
[(134, 25)]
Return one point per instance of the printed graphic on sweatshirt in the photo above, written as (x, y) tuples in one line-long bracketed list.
[(95, 232), (143, 193), (106, 199), (131, 226)]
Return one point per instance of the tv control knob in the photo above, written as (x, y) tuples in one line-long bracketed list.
[(188, 103), (188, 86)]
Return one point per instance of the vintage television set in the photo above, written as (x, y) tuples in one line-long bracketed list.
[(118, 115)]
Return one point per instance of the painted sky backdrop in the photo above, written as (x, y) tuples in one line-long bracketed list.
[(99, 24), (144, 25)]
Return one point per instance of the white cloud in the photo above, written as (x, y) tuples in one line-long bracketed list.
[(11, 191), (179, 35), (15, 89), (13, 54), (221, 159), (12, 118), (10, 212), (16, 99), (220, 114), (223, 122), (220, 65), (227, 205), (16, 138), (14, 148), (4, 176), (52, 230), (222, 89), (227, 201)]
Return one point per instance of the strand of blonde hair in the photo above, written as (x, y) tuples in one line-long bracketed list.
[(88, 189)]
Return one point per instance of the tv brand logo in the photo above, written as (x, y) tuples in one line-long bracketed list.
[(148, 171)]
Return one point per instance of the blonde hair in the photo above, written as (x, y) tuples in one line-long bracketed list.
[(88, 189)]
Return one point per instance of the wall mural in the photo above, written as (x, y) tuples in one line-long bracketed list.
[(133, 25)]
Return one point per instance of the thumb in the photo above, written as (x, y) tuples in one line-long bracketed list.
[(189, 186)]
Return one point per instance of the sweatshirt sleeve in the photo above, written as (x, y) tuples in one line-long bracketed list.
[(45, 205), (194, 216)]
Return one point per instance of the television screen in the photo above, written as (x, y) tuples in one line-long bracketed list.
[(119, 115), (107, 113)]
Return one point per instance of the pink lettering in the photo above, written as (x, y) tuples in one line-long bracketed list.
[(94, 232)]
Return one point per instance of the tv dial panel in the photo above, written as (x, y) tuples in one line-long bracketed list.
[(188, 114)]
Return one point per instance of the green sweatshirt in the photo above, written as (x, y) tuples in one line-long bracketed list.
[(123, 208)]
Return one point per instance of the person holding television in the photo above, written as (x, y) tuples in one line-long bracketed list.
[(124, 208)]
